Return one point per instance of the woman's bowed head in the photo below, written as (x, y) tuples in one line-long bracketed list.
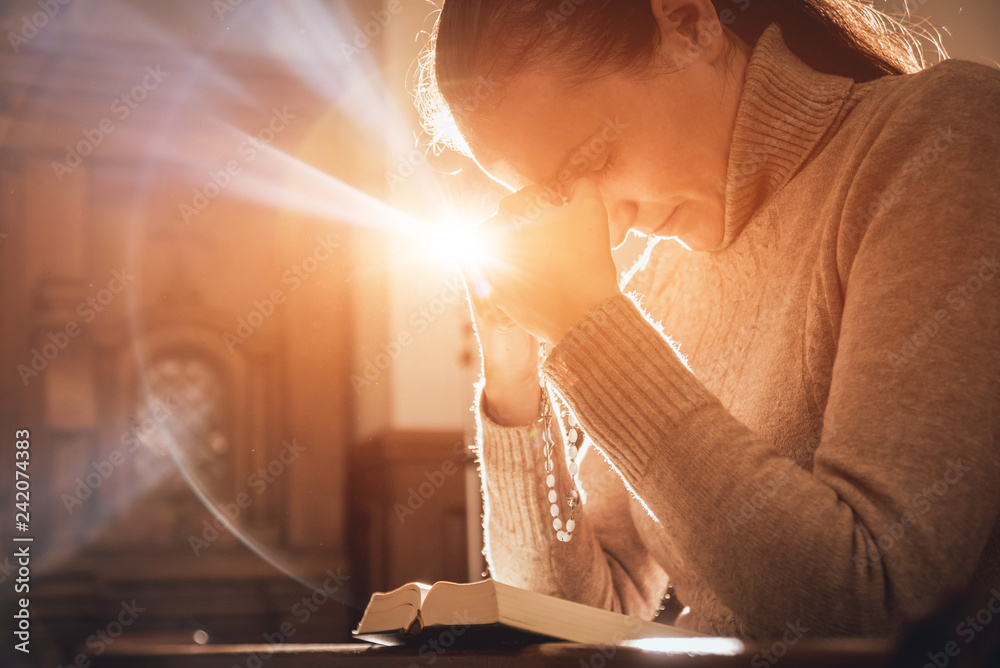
[(621, 109), (634, 132), (638, 146)]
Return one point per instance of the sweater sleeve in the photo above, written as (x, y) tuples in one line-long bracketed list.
[(605, 565), (902, 496)]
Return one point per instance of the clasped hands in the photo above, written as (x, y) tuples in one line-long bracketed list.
[(545, 266)]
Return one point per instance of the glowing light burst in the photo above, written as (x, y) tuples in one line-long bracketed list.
[(457, 241), (193, 135), (460, 243), (305, 39), (297, 187), (289, 184)]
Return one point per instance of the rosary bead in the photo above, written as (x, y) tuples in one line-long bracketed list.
[(549, 423)]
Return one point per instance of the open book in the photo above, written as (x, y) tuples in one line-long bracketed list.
[(514, 614)]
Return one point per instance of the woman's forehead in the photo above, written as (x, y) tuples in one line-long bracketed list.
[(533, 132)]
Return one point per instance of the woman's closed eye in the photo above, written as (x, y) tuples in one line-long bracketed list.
[(606, 167)]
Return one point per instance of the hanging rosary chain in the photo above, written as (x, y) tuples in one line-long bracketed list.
[(573, 439)]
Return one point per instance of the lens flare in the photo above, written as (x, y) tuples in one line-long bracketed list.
[(196, 129), (458, 242)]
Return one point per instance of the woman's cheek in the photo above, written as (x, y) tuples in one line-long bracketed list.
[(621, 218)]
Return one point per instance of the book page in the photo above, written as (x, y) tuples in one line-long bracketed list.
[(452, 603), (394, 610), (549, 615)]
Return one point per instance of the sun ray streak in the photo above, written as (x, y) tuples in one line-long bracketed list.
[(209, 80)]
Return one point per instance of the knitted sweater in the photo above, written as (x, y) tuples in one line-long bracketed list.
[(801, 426)]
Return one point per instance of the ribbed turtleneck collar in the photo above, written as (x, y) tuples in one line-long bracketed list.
[(784, 111)]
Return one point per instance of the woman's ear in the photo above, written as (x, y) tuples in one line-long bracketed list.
[(690, 31)]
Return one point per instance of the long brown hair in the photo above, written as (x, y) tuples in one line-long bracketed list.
[(477, 45)]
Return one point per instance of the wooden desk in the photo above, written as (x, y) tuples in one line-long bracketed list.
[(822, 654)]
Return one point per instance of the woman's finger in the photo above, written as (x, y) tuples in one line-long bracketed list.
[(485, 312), (524, 207)]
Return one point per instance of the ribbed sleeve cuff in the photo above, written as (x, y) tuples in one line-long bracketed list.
[(624, 380), (512, 468)]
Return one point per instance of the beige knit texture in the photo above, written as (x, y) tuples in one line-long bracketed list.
[(803, 425)]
